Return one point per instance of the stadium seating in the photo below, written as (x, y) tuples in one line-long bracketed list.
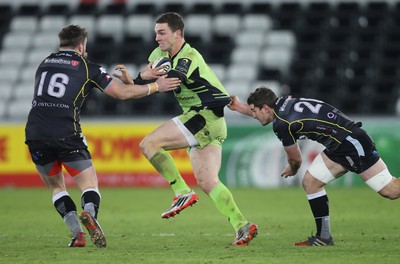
[(23, 24), (12, 57), (344, 52), (86, 21)]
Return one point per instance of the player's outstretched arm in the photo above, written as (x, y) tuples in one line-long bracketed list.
[(236, 105), (123, 91), (147, 73)]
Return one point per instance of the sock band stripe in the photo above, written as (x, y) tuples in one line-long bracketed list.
[(92, 189), (316, 195), (59, 195)]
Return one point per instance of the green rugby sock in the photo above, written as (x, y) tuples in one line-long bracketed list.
[(224, 202), (165, 165)]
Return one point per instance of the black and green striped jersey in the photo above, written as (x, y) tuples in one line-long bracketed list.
[(62, 82), (305, 118), (200, 87)]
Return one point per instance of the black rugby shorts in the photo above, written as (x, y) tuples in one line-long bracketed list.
[(63, 150), (357, 152)]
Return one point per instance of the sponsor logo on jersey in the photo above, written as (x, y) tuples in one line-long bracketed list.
[(64, 54), (57, 61), (49, 104), (61, 63), (185, 98), (183, 65)]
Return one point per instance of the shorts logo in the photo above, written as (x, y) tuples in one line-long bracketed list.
[(37, 155)]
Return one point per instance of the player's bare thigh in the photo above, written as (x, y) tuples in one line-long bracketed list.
[(86, 179), (167, 136), (54, 183), (373, 170)]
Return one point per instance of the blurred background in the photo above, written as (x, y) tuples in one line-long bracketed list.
[(345, 52)]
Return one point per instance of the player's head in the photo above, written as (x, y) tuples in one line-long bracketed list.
[(73, 37), (173, 20), (169, 30), (262, 102), (262, 96)]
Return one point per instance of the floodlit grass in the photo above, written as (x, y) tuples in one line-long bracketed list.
[(365, 228)]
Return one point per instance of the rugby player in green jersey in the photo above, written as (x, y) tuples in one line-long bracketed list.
[(201, 128)]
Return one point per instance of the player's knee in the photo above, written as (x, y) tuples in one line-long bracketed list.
[(148, 146), (306, 182), (389, 194), (391, 190), (207, 185), (310, 183), (143, 145), (204, 186)]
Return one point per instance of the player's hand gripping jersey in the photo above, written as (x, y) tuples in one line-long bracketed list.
[(302, 118), (62, 82), (200, 87)]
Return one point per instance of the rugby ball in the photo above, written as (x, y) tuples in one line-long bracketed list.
[(163, 61)]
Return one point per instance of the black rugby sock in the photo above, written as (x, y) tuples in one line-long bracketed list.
[(320, 209), (91, 202)]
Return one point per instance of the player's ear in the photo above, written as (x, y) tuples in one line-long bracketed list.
[(267, 108), (178, 33), (81, 48)]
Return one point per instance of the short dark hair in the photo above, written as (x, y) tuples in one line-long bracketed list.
[(72, 36), (174, 21), (262, 96)]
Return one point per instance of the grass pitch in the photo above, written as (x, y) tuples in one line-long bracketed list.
[(365, 228)]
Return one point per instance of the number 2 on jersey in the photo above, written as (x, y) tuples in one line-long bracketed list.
[(298, 107)]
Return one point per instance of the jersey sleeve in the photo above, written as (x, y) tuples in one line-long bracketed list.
[(185, 66), (98, 76), (282, 131)]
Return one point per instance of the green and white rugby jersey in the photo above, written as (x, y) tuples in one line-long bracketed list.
[(200, 86)]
